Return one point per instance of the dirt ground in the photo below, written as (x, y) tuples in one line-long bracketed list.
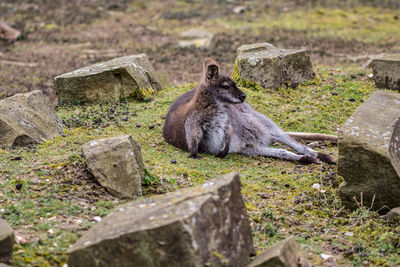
[(60, 36)]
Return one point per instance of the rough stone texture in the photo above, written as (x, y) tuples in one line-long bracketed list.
[(386, 70), (27, 119), (393, 215), (286, 253), (272, 67), (6, 241), (197, 38), (120, 78), (369, 153), (201, 226), (117, 164), (258, 47)]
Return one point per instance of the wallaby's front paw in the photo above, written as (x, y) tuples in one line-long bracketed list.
[(326, 158), (194, 156), (221, 155), (309, 160)]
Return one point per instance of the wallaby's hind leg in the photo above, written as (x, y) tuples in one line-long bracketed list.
[(280, 136), (277, 134), (302, 149), (280, 154)]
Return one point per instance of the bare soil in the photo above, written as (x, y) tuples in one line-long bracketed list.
[(60, 36)]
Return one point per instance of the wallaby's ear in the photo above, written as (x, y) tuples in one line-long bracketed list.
[(210, 70)]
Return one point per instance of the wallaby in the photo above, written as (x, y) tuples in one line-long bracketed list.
[(213, 118)]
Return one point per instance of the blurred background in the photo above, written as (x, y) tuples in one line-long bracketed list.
[(58, 36)]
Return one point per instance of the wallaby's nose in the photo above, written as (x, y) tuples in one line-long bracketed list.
[(242, 96)]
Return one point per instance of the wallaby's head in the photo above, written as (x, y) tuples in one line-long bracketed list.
[(220, 85)]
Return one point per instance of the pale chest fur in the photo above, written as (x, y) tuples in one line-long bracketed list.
[(214, 132)]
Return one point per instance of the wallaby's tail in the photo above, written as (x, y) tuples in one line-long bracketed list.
[(313, 137)]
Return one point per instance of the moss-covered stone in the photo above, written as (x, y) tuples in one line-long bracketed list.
[(27, 119), (393, 215), (286, 253), (117, 164), (197, 38), (120, 78), (387, 71), (368, 158), (6, 241), (202, 226), (270, 67)]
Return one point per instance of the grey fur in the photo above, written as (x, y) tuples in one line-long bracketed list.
[(214, 119)]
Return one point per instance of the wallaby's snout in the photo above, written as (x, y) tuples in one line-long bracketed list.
[(243, 97), (237, 94)]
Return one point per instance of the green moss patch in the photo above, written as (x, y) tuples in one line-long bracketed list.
[(59, 199)]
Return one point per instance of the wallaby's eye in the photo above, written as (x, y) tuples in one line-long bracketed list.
[(225, 85)]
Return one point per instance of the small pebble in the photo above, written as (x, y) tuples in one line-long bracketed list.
[(125, 118), (137, 125), (18, 186), (173, 161), (97, 218), (151, 127), (352, 99), (294, 85)]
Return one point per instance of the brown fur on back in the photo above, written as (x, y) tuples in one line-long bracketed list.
[(202, 113), (174, 128)]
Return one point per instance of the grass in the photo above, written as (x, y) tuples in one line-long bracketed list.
[(355, 23), (59, 198)]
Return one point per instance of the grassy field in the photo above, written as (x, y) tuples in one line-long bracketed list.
[(59, 199)]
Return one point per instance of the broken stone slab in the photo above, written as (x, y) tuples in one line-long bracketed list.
[(369, 153), (197, 38), (286, 253), (6, 241), (8, 33), (393, 215), (117, 165), (128, 77), (257, 47), (386, 69), (271, 67), (202, 226), (27, 119)]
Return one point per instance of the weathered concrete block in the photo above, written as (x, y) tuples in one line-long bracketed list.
[(117, 164), (27, 119), (393, 215), (6, 241), (386, 70), (257, 47), (271, 67), (196, 37), (286, 253), (369, 157), (120, 78), (201, 226)]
